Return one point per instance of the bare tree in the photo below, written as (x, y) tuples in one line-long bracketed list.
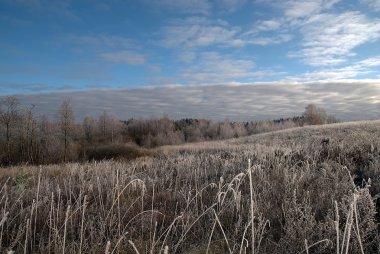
[(49, 142), (30, 126), (66, 124), (89, 128), (239, 130), (44, 127), (116, 127), (315, 115), (103, 123), (226, 130), (9, 116)]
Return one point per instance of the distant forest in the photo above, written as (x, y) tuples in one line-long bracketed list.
[(29, 138)]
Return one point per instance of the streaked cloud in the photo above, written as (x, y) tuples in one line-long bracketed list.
[(346, 100), (185, 6), (101, 41), (187, 56), (351, 71), (200, 32), (31, 88), (269, 40), (123, 57), (212, 67), (374, 4), (196, 32), (329, 39), (229, 5), (111, 48), (295, 9), (18, 69), (370, 62), (266, 32), (204, 7), (56, 8), (268, 25)]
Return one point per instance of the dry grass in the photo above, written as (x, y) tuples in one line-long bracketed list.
[(298, 196)]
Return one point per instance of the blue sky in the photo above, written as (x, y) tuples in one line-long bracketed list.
[(49, 46)]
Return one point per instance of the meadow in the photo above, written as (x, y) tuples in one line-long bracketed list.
[(313, 189)]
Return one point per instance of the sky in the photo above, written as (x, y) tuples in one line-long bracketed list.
[(240, 59)]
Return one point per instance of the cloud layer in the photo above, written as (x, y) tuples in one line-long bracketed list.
[(346, 100)]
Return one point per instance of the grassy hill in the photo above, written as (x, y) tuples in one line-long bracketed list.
[(307, 190)]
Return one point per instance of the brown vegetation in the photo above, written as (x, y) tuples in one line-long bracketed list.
[(298, 195)]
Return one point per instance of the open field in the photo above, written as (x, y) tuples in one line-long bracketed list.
[(308, 190)]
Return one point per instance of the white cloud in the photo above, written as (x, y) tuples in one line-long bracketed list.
[(204, 7), (266, 32), (229, 5), (375, 4), (101, 41), (213, 67), (268, 25), (269, 40), (186, 56), (124, 57), (329, 39), (370, 62), (155, 68), (57, 8), (110, 48), (297, 9), (199, 32), (185, 6), (328, 74), (354, 70)]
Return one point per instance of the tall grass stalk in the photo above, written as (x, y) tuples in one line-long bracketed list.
[(251, 206), (3, 219), (243, 239), (133, 246), (210, 238), (51, 221), (117, 244), (37, 196), (26, 236), (108, 246), (224, 234), (82, 223), (357, 229), (65, 229), (336, 222)]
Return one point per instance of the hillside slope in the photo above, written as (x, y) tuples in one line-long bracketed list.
[(346, 132)]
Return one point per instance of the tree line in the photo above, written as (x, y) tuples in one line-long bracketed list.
[(27, 137)]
